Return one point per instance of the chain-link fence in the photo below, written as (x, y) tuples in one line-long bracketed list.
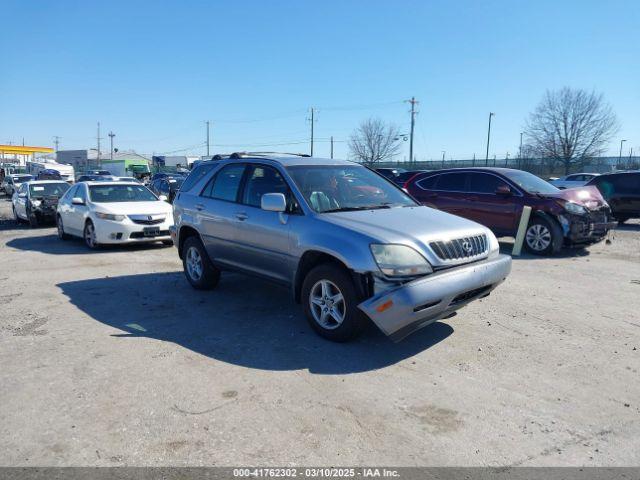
[(544, 167)]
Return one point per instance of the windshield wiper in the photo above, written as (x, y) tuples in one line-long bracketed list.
[(354, 209)]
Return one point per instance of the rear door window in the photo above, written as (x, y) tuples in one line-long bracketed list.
[(196, 175), (261, 180), (452, 182), (225, 184), (428, 183)]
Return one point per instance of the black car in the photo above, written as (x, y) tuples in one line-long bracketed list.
[(94, 178), (99, 172), (622, 191), (49, 174), (167, 186), (391, 173)]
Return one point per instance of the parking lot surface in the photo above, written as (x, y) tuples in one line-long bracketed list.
[(110, 358)]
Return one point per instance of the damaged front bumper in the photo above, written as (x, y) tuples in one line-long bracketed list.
[(401, 311), (586, 229)]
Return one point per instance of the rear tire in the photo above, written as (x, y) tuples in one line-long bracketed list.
[(200, 272), (543, 237), (331, 303)]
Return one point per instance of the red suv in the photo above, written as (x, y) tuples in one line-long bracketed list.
[(494, 197)]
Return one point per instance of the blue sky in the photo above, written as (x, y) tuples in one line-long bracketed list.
[(153, 72)]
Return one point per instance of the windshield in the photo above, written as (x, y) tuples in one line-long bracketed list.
[(48, 189), (120, 193), (529, 182), (335, 188)]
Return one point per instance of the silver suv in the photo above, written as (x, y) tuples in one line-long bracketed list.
[(351, 245)]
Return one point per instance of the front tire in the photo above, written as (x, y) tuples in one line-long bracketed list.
[(89, 236), (60, 226), (200, 272), (543, 237), (331, 303), (33, 220)]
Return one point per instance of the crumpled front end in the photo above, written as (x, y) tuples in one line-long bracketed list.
[(404, 309)]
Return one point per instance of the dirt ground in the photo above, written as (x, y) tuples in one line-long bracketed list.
[(110, 358)]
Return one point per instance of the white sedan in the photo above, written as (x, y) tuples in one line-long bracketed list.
[(113, 213), (574, 180)]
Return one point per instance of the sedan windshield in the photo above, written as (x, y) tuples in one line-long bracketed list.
[(120, 193), (340, 188), (529, 182), (48, 189)]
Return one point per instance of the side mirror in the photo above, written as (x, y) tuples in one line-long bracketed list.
[(273, 202), (503, 190), (163, 198), (77, 201)]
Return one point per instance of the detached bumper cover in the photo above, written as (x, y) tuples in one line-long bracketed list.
[(403, 310)]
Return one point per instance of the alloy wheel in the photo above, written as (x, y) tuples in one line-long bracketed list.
[(327, 304), (538, 237), (194, 264), (90, 235)]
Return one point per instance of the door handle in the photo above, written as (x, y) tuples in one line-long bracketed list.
[(241, 216), (199, 207)]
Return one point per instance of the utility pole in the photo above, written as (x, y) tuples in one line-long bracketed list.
[(520, 151), (207, 123), (473, 162), (443, 154), (312, 122), (413, 103), (98, 138), (332, 146), (486, 158), (111, 135), (56, 141), (620, 156)]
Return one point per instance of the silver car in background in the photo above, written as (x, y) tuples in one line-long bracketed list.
[(352, 246)]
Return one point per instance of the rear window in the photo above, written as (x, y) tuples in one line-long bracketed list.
[(196, 175)]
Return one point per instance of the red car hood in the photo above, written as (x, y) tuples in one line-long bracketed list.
[(588, 196)]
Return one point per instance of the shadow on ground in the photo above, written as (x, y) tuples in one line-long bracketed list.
[(506, 247), (243, 322), (51, 244)]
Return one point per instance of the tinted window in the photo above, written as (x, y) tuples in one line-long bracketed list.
[(452, 182), (224, 185), (196, 175), (484, 183), (428, 183), (263, 180)]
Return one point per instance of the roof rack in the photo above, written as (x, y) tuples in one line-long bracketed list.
[(237, 155)]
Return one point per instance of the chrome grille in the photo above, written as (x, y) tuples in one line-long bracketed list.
[(148, 219), (465, 247)]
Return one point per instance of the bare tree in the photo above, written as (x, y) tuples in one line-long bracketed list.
[(570, 125), (374, 141)]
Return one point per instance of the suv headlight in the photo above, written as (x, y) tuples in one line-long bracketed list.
[(574, 208), (400, 261), (110, 216)]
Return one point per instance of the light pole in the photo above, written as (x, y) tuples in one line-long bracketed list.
[(443, 154), (486, 158), (620, 155), (520, 151), (111, 135)]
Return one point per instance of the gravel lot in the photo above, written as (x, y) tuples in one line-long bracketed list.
[(110, 358)]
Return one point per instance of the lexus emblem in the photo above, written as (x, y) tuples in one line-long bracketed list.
[(467, 247)]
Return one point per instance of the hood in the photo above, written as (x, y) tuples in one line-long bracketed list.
[(587, 196), (132, 208), (414, 226)]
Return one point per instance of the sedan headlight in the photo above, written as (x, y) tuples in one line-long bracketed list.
[(110, 216), (400, 261), (574, 208)]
